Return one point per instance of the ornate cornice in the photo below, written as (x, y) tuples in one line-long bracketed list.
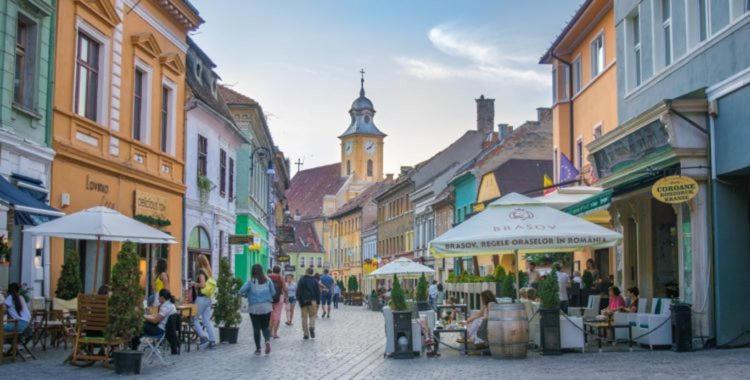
[(103, 9), (181, 12), (172, 62)]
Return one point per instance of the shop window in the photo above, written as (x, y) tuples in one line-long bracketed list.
[(87, 77), (199, 243)]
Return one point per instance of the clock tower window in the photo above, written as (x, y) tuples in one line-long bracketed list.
[(369, 168), (348, 167)]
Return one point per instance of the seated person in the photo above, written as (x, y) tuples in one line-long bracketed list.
[(17, 310), (156, 324), (616, 303), (474, 322), (633, 306), (453, 311)]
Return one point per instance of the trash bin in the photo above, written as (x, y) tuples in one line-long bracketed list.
[(682, 327)]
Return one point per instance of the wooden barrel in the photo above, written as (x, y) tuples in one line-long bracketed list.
[(508, 330)]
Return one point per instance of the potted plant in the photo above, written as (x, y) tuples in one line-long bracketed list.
[(69, 284), (422, 296), (228, 302), (398, 299), (549, 313), (374, 301), (126, 308), (204, 188), (356, 296)]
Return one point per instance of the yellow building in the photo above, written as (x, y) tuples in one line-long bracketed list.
[(119, 122)]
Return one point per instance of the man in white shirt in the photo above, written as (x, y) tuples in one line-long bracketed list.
[(563, 282), (533, 274), (432, 291)]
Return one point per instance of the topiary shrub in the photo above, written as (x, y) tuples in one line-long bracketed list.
[(126, 302), (398, 299), (499, 273), (549, 293), (69, 284), (507, 287), (353, 285), (422, 289), (228, 299)]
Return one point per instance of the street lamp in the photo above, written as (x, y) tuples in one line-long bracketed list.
[(262, 152)]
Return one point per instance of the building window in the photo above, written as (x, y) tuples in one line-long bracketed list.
[(320, 262), (703, 18), (348, 167), (25, 75), (635, 23), (369, 168), (554, 83), (554, 166), (597, 132), (221, 243), (202, 156), (166, 94), (138, 104), (579, 153), (87, 77), (222, 172), (577, 75), (597, 55), (302, 261), (231, 178), (666, 18)]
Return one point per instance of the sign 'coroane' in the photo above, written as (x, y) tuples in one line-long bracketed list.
[(674, 189)]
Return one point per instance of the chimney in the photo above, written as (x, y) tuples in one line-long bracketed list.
[(405, 170), (297, 215), (543, 113), (504, 130), (485, 114), (389, 177)]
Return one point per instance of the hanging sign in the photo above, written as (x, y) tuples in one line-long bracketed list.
[(283, 258), (240, 239), (675, 189)]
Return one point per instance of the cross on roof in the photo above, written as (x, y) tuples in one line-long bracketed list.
[(299, 164)]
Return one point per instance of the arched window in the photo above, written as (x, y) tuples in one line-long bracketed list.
[(199, 243), (369, 168), (348, 167)]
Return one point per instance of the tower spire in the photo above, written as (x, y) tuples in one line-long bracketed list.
[(362, 83)]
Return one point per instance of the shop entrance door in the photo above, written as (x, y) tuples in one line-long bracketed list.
[(665, 261)]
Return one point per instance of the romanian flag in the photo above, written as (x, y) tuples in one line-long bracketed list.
[(548, 183)]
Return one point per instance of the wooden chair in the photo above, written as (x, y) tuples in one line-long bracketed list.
[(11, 337), (92, 319)]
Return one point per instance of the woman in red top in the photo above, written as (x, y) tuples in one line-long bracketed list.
[(616, 303)]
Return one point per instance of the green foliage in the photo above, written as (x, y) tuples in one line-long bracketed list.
[(452, 278), (422, 289), (565, 259), (152, 220), (507, 288), (523, 279), (126, 302), (341, 285), (69, 284), (353, 285), (587, 279), (549, 293), (4, 249), (499, 273), (398, 299), (228, 299), (204, 187)]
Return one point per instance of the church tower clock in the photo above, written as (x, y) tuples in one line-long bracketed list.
[(362, 142)]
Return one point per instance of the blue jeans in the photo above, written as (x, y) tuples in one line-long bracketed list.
[(204, 312), (12, 327)]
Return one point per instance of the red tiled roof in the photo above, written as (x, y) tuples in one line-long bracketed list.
[(357, 202), (308, 188), (233, 97), (305, 238)]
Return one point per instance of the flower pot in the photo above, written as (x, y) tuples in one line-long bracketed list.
[(127, 362), (549, 330), (228, 334)]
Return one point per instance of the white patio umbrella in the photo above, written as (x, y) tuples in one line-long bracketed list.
[(518, 224), (402, 267), (101, 223)]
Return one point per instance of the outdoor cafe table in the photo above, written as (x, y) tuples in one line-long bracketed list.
[(599, 329), (460, 330)]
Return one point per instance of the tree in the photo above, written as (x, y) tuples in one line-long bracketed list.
[(228, 299), (422, 289), (499, 273), (126, 302), (398, 300), (69, 284), (549, 292), (507, 287), (353, 285)]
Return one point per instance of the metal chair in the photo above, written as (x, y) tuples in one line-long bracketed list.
[(153, 347)]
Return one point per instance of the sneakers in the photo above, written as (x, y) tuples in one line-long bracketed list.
[(324, 315), (328, 315), (268, 348), (211, 345), (305, 337), (203, 343), (312, 333), (257, 352)]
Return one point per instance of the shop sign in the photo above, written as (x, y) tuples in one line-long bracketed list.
[(283, 258), (149, 204), (285, 234), (289, 268), (675, 189), (240, 239)]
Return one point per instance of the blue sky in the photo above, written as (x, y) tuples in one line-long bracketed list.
[(426, 62)]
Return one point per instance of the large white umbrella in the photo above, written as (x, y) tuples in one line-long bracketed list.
[(518, 224), (402, 267), (101, 223)]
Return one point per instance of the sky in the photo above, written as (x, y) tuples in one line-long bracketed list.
[(425, 63)]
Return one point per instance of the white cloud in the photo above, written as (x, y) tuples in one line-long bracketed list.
[(485, 61)]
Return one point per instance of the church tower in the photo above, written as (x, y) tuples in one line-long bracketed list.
[(362, 142)]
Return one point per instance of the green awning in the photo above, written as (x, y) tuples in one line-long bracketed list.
[(593, 203)]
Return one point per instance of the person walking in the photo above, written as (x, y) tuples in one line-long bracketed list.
[(326, 295), (259, 291), (308, 294), (279, 298), (203, 289), (432, 293), (291, 299)]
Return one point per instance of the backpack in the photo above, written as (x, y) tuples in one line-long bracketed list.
[(210, 288)]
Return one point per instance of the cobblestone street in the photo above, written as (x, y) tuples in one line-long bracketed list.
[(351, 343)]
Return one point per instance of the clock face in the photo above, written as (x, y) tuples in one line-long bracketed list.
[(348, 147), (370, 146)]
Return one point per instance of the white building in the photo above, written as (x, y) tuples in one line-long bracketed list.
[(213, 140)]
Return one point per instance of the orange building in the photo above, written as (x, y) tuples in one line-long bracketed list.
[(583, 64), (118, 122)]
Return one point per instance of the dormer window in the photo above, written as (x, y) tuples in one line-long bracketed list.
[(199, 72), (367, 118)]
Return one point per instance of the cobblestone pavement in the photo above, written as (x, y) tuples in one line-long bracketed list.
[(351, 344)]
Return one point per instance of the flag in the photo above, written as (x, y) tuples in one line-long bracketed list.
[(568, 171), (547, 184)]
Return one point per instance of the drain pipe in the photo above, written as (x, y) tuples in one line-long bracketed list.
[(570, 103)]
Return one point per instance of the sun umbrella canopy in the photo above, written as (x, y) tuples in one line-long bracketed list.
[(516, 223), (101, 223), (403, 268)]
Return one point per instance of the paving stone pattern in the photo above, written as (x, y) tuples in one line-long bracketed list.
[(351, 343)]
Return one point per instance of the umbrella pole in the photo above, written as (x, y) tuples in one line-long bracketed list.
[(518, 282), (96, 262)]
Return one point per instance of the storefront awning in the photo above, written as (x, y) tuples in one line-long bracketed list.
[(593, 203), (27, 209)]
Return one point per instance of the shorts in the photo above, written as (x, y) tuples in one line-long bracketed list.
[(325, 298), (291, 300)]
